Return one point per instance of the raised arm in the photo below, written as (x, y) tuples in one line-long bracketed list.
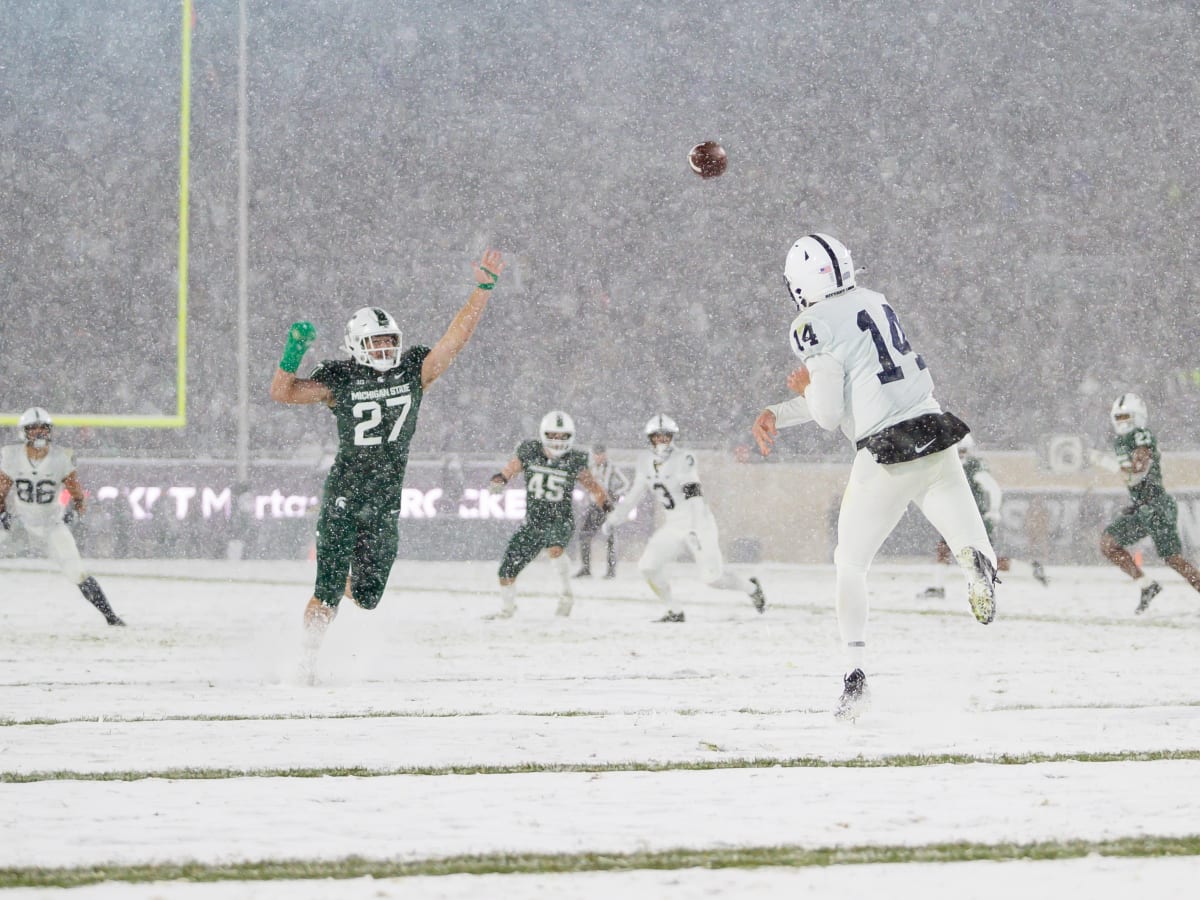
[(487, 272), (285, 386)]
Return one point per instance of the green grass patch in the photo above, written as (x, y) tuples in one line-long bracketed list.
[(801, 762), (542, 863)]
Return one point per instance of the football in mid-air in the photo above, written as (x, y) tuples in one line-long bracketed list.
[(708, 160)]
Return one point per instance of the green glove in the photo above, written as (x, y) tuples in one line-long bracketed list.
[(300, 335)]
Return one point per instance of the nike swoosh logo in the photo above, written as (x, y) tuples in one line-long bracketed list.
[(923, 446)]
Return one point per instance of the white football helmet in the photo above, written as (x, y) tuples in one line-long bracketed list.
[(35, 415), (364, 326), (557, 422), (661, 424), (1128, 412), (818, 267)]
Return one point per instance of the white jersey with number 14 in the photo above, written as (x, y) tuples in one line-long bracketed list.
[(884, 380)]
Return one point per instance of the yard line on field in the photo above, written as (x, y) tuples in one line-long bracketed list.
[(901, 761), (539, 863)]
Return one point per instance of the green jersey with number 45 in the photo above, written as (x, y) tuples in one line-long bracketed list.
[(376, 416), (549, 483), (1147, 487)]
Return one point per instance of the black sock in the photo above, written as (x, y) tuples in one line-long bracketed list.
[(91, 590)]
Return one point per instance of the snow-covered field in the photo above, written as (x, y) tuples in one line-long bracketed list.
[(607, 739)]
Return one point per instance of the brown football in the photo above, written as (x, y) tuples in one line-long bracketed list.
[(708, 159)]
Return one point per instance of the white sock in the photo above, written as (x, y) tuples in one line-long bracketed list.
[(562, 566), (856, 652), (661, 586), (508, 596)]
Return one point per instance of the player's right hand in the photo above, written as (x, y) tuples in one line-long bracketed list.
[(5, 520), (764, 431)]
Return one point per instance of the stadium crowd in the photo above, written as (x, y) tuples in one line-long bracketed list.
[(1031, 218)]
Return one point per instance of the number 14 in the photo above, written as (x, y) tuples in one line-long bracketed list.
[(889, 371)]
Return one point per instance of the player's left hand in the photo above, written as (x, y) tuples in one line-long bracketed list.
[(799, 380), (606, 528), (496, 485), (764, 431), (693, 541), (488, 269), (5, 520)]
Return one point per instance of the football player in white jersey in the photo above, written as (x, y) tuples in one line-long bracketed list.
[(671, 474), (859, 373), (32, 475)]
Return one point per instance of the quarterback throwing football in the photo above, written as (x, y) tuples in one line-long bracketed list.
[(860, 374)]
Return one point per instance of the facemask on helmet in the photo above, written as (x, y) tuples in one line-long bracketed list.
[(367, 339), (661, 431), (557, 432), (1128, 412), (818, 267), (35, 425)]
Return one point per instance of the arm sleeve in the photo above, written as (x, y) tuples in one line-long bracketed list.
[(791, 412), (826, 393)]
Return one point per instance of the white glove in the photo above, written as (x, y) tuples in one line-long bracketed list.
[(606, 527), (1105, 461)]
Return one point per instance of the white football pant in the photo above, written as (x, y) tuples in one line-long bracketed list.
[(703, 544), (60, 547), (875, 500)]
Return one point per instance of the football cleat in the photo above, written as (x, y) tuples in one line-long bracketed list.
[(981, 583), (759, 598), (564, 606), (933, 593), (1039, 572), (672, 617), (583, 573), (1149, 592), (855, 698), (114, 619)]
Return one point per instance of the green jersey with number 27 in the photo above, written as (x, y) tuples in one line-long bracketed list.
[(376, 416), (549, 483)]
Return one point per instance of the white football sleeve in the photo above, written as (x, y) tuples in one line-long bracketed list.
[(826, 392)]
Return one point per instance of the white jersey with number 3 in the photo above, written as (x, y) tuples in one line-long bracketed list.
[(675, 484), (884, 380), (33, 498)]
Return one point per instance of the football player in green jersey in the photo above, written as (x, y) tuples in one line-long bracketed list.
[(1153, 511), (375, 397), (551, 469)]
